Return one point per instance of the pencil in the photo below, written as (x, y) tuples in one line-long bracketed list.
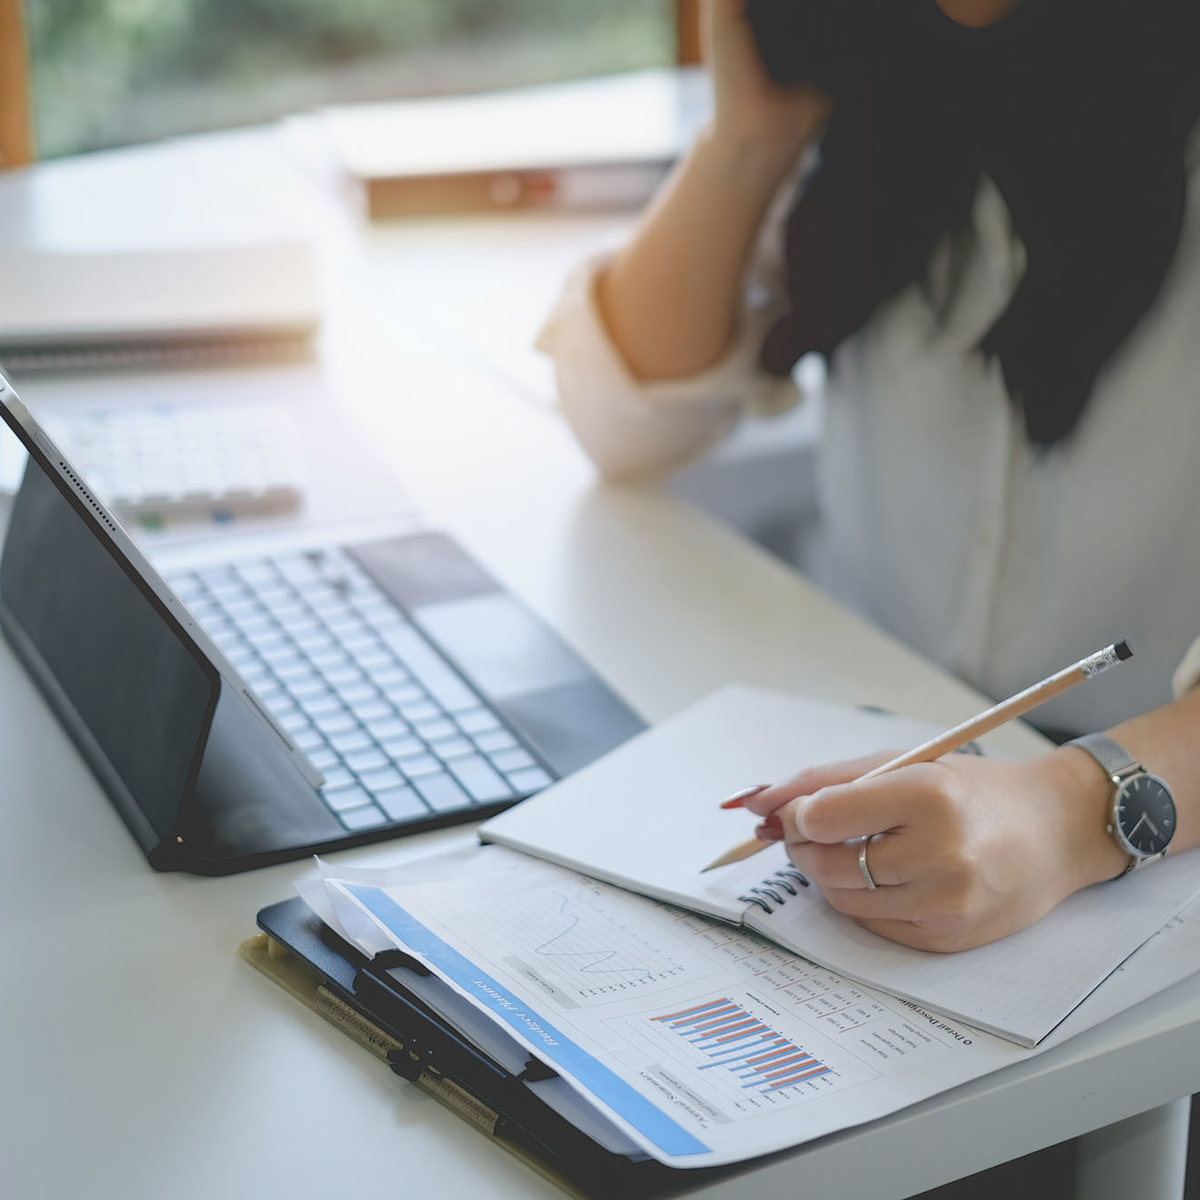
[(977, 726)]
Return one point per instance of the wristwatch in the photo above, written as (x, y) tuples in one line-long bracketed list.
[(1142, 818)]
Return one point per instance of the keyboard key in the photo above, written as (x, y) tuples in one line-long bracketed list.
[(402, 804), (295, 722), (370, 759), (309, 740), (254, 628), (418, 765), (532, 780), (439, 727), (356, 693), (377, 659), (370, 711), (336, 776), (227, 592), (479, 779), (275, 646), (390, 727), (344, 625), (420, 710), (442, 793), (494, 739), (342, 678), (322, 703), (512, 760), (335, 722), (361, 641), (351, 741), (300, 627), (308, 688), (380, 780), (362, 818), (404, 746), (342, 798), (406, 691), (300, 680), (477, 720), (443, 684), (317, 642), (451, 747), (270, 692), (323, 758), (260, 679), (392, 678), (329, 660)]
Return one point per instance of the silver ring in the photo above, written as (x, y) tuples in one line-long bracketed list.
[(862, 864)]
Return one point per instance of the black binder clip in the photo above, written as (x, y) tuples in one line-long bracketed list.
[(410, 1060), (536, 1070), (391, 960)]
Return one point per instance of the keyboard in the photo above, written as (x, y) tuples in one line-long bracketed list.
[(400, 736), (165, 460)]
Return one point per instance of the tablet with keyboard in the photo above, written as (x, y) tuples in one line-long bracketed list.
[(263, 709)]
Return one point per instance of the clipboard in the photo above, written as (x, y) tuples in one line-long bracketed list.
[(361, 997)]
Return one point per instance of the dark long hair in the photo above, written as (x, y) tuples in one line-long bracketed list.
[(1078, 110)]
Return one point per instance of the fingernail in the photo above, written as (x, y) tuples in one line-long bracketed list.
[(739, 798), (769, 831)]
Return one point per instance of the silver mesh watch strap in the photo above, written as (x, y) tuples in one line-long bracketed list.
[(1116, 762), (1108, 752)]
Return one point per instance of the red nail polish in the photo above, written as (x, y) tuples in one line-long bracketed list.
[(739, 798)]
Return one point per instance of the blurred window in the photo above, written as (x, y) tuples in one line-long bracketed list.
[(115, 72)]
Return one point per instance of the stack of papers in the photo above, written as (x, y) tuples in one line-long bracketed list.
[(672, 1035)]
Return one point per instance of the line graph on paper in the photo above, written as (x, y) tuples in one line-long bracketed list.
[(573, 947)]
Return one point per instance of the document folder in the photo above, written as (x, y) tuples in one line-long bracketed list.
[(360, 996)]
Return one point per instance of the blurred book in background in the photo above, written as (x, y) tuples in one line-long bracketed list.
[(138, 257), (603, 143)]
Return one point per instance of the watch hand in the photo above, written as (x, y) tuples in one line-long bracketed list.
[(1151, 824), (1137, 825)]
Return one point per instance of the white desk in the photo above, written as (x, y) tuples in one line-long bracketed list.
[(143, 1060)]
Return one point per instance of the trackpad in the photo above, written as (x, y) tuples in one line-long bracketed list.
[(500, 645)]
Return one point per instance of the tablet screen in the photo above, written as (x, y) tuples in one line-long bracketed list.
[(129, 685)]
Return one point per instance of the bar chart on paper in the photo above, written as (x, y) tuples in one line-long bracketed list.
[(734, 1041), (736, 1053)]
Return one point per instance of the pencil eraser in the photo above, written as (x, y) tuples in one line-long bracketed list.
[(1123, 650)]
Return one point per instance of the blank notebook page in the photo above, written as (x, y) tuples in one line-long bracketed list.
[(647, 816)]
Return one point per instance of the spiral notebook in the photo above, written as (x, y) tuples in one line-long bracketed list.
[(646, 818)]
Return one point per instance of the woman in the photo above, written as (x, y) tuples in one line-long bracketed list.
[(992, 243)]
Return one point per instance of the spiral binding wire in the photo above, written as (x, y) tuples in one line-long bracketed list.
[(769, 895)]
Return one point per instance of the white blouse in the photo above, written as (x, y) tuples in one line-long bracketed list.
[(938, 520)]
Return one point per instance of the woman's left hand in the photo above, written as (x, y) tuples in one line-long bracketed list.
[(963, 850)]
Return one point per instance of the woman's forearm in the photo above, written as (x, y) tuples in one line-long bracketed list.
[(671, 297)]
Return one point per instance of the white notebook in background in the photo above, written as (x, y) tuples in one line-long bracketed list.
[(79, 305), (158, 253), (646, 817)]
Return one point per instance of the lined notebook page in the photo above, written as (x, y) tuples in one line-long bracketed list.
[(1020, 987), (647, 816)]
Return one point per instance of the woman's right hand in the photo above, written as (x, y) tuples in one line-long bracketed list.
[(750, 108)]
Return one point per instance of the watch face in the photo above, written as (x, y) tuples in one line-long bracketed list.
[(1145, 815)]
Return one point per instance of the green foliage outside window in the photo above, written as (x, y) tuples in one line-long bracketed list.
[(108, 72)]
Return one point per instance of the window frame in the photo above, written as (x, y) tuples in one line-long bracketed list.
[(16, 106), (16, 117)]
